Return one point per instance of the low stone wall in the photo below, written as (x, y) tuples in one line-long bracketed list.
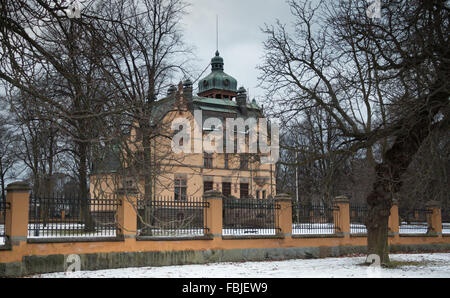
[(39, 264)]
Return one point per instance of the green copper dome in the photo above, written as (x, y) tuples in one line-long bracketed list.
[(217, 79)]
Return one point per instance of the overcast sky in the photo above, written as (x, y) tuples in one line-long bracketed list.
[(240, 37)]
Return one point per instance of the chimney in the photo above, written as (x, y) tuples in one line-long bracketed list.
[(241, 100), (187, 93), (171, 91)]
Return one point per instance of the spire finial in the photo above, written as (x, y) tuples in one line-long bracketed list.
[(217, 33)]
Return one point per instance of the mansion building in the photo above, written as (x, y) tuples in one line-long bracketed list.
[(184, 175)]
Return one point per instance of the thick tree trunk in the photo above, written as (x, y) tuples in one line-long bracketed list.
[(2, 182), (388, 180), (380, 203)]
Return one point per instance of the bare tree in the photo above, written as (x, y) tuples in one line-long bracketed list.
[(383, 82), (144, 44), (51, 58), (8, 159), (144, 49)]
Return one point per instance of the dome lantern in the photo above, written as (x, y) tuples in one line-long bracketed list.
[(217, 84)]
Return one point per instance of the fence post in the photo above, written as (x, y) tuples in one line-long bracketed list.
[(16, 225), (394, 221), (284, 214), (127, 212), (214, 217), (342, 221), (434, 218)]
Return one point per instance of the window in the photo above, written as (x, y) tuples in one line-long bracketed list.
[(257, 194), (180, 189), (207, 185), (227, 160), (244, 161), (263, 194), (243, 190), (226, 189), (207, 160)]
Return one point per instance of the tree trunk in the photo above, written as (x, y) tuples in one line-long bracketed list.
[(2, 182), (86, 215), (388, 179), (380, 203), (148, 179)]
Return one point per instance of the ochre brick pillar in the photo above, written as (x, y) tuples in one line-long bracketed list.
[(284, 214), (434, 218), (342, 216), (16, 226), (127, 213), (393, 224), (214, 217)]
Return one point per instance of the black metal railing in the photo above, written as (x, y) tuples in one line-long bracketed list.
[(4, 206), (314, 219), (53, 216), (166, 217), (413, 221), (445, 213), (249, 217), (358, 215)]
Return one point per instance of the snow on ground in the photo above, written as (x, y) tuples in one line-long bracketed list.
[(435, 265)]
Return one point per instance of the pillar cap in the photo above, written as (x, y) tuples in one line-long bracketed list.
[(18, 186), (212, 194), (283, 197), (341, 199)]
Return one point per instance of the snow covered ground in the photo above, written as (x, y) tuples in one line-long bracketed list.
[(435, 265)]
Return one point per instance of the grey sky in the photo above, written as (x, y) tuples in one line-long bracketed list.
[(240, 37)]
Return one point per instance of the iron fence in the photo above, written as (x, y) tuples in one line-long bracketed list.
[(445, 213), (249, 217), (165, 217), (315, 219), (53, 216), (3, 207), (358, 215), (413, 221)]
